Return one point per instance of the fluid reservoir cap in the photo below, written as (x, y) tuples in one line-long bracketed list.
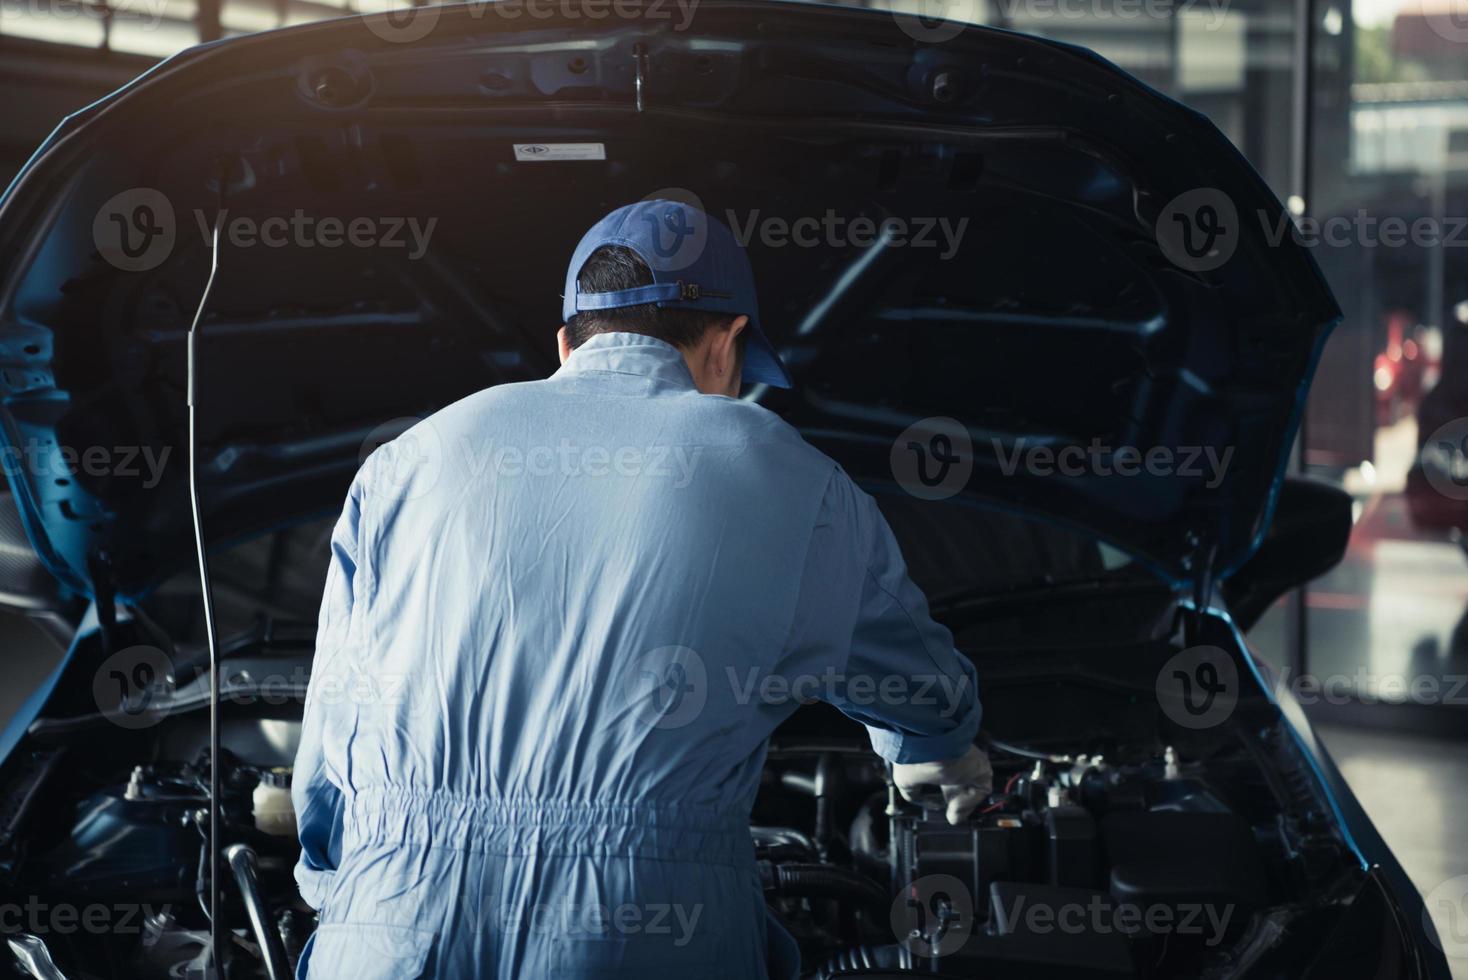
[(280, 777)]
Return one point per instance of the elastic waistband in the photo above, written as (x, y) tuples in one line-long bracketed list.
[(664, 831)]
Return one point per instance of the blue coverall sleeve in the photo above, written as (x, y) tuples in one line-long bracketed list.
[(316, 796), (899, 672)]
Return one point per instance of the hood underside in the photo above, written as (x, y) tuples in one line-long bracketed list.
[(1029, 297)]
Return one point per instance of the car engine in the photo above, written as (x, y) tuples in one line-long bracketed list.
[(1078, 865), (1075, 867), (1116, 843)]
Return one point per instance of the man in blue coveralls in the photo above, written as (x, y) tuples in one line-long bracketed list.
[(535, 722)]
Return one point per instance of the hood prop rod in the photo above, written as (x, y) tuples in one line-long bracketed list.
[(216, 930)]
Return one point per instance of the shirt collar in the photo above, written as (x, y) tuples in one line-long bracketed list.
[(630, 353)]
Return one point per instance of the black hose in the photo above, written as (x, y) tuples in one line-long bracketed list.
[(868, 852), (783, 852), (826, 881), (245, 864)]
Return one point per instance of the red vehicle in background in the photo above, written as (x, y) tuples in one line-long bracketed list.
[(1405, 369)]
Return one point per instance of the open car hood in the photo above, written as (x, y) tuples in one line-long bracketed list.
[(1066, 311)]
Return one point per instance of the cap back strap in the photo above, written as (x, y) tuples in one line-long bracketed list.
[(660, 292)]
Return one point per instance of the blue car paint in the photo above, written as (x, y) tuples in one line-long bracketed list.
[(31, 708), (67, 552)]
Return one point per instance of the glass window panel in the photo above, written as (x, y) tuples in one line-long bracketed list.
[(61, 21), (156, 36), (1390, 114), (249, 15), (966, 11), (299, 12), (1214, 51)]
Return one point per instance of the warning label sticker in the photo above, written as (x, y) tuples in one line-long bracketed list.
[(560, 151)]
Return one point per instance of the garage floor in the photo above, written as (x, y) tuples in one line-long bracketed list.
[(1394, 612), (1415, 790)]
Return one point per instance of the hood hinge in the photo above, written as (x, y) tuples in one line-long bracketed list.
[(104, 598), (1199, 562)]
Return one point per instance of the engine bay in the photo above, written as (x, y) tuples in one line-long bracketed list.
[(1116, 842), (1077, 866), (1092, 857)]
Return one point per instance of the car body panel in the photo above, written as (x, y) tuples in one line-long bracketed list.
[(1066, 170)]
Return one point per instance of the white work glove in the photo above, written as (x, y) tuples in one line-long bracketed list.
[(965, 782)]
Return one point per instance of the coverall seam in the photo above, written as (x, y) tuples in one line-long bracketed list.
[(675, 385), (810, 537), (907, 614), (365, 567)]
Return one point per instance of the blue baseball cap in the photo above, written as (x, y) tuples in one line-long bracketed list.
[(696, 263)]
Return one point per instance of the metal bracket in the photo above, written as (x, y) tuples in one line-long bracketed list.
[(639, 59)]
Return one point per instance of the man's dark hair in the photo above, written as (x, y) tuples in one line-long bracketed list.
[(613, 267)]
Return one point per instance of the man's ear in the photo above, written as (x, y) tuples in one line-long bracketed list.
[(726, 351), (563, 344)]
